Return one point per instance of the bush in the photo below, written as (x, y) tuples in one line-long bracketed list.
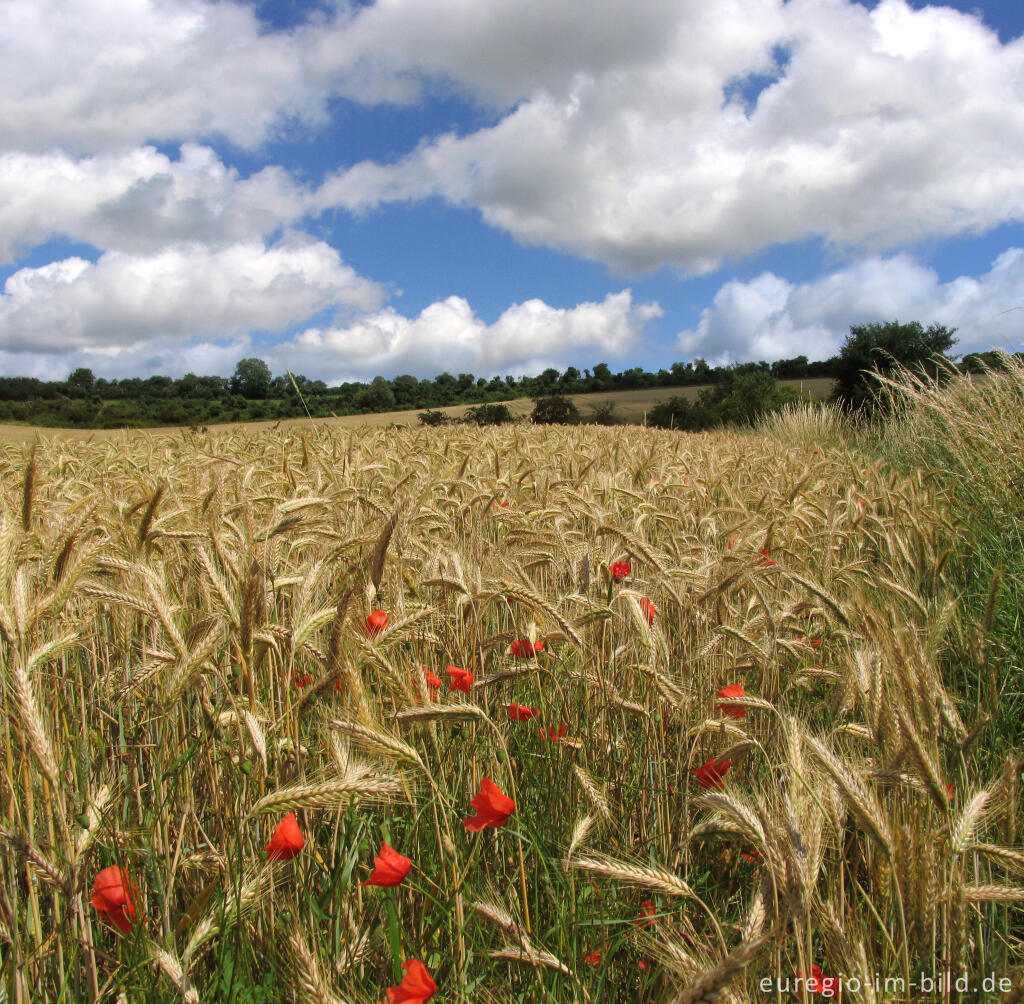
[(488, 414), (433, 418), (554, 410), (604, 414)]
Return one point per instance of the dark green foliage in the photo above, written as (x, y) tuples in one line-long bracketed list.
[(604, 414), (251, 379), (554, 410), (741, 397), (883, 348), (488, 414), (433, 418)]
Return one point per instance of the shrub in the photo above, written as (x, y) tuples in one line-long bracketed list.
[(433, 418), (604, 414), (488, 414), (554, 410)]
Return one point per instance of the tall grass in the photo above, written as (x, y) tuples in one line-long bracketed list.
[(184, 662)]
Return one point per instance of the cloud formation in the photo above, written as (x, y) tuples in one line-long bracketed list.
[(448, 335), (751, 123), (139, 200), (180, 293), (771, 318)]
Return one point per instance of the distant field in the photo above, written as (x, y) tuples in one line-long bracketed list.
[(630, 405)]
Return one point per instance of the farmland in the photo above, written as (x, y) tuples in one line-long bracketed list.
[(191, 655), (630, 407)]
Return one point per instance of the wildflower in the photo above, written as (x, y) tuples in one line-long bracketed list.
[(765, 560), (643, 965), (287, 840), (593, 958), (525, 647), (647, 911), (732, 543), (462, 679), (416, 986), (433, 682), (619, 570), (648, 609), (818, 982), (555, 734), (751, 857), (949, 792), (389, 867), (711, 774), (493, 807), (302, 680), (376, 622), (113, 897), (732, 691), (521, 713), (816, 452)]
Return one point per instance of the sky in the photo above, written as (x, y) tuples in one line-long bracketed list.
[(349, 189)]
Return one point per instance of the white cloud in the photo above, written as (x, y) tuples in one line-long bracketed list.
[(771, 318), (182, 293), (875, 130), (139, 200), (448, 335), (89, 75)]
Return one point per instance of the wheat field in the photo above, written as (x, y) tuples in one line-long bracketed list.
[(189, 656)]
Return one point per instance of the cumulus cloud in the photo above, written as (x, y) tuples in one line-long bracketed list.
[(771, 318), (448, 335), (139, 200), (752, 123), (181, 293), (89, 75)]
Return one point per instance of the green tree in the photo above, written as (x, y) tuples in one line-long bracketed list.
[(377, 397), (81, 382), (251, 379), (554, 410), (881, 348)]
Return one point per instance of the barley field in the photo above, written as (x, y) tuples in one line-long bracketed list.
[(519, 714)]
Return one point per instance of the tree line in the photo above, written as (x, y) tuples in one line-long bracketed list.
[(734, 393)]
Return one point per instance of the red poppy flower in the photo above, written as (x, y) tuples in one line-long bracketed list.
[(733, 690), (711, 774), (389, 867), (765, 560), (416, 986), (462, 679), (525, 648), (732, 543), (818, 982), (376, 622), (493, 807), (287, 840), (648, 609), (521, 713), (751, 857), (647, 911), (113, 897), (816, 452), (302, 680), (643, 965), (433, 682), (949, 792), (593, 959), (619, 570), (555, 734)]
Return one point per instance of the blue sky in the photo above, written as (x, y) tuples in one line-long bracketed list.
[(352, 189)]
